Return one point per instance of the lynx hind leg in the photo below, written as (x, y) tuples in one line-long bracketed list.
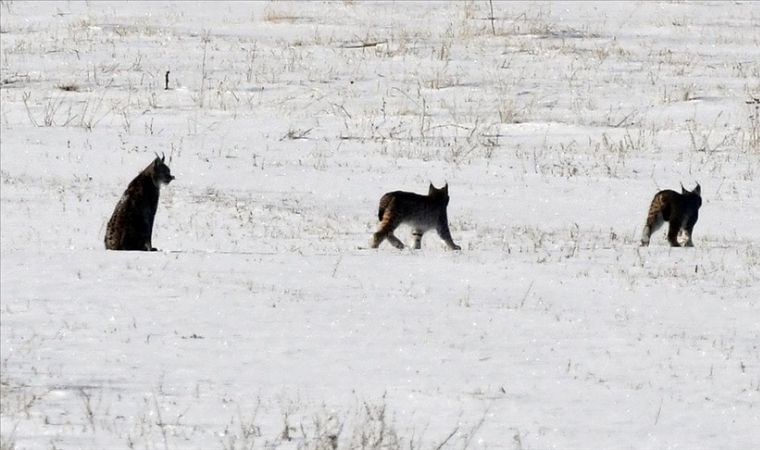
[(395, 241), (653, 224), (385, 231), (655, 220), (377, 238)]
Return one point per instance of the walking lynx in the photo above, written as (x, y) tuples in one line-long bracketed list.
[(421, 212), (131, 225), (679, 210)]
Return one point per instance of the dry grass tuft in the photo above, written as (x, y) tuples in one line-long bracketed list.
[(69, 87)]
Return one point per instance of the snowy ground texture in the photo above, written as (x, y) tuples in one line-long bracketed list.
[(265, 322)]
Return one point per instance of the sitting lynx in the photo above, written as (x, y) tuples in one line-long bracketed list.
[(131, 225), (421, 212), (679, 210)]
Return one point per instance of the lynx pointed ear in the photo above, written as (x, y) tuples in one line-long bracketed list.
[(698, 190), (163, 157)]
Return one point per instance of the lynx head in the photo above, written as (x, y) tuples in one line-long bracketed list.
[(160, 171), (696, 191), (694, 195), (441, 194)]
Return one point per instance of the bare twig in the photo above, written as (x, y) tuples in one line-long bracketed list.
[(525, 297), (453, 432), (659, 410), (26, 96), (364, 44), (493, 28), (160, 422)]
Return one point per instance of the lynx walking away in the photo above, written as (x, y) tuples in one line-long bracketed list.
[(421, 212), (679, 210), (131, 225)]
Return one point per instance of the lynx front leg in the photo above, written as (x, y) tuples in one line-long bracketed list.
[(147, 244), (146, 234), (445, 235), (417, 239)]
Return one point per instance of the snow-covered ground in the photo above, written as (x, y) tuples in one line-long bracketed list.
[(265, 322)]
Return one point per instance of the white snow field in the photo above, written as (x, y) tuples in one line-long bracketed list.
[(266, 322)]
